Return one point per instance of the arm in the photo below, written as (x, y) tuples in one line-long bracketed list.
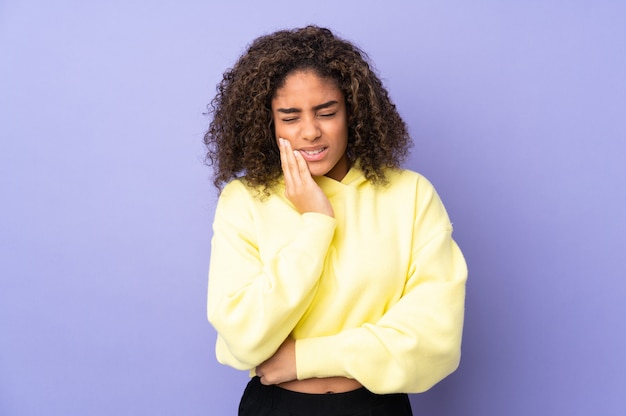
[(416, 343), (254, 305)]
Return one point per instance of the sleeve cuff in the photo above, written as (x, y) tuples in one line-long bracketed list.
[(319, 357)]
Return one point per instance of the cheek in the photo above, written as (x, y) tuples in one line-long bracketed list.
[(278, 134), (341, 132), (283, 133)]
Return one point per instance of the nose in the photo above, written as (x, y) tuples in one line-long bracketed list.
[(311, 129)]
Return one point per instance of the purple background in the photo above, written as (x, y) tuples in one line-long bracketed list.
[(518, 111)]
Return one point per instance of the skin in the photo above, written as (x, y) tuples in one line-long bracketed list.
[(281, 367), (311, 124)]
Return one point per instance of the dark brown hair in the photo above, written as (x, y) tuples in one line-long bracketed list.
[(240, 141)]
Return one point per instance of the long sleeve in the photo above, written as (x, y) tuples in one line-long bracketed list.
[(257, 294), (416, 342)]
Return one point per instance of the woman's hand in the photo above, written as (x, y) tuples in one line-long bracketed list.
[(281, 367), (300, 188)]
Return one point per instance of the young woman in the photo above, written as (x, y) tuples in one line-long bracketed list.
[(334, 278)]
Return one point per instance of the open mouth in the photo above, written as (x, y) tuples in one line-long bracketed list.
[(314, 152), (314, 155)]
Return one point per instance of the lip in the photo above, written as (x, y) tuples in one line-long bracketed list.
[(319, 152)]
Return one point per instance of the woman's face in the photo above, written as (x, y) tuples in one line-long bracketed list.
[(310, 112)]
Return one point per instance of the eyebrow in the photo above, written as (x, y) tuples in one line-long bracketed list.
[(298, 110)]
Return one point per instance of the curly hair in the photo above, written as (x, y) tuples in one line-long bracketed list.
[(240, 141)]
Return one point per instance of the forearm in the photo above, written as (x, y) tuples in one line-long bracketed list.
[(255, 299), (414, 345)]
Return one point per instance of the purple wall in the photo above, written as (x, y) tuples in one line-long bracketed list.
[(518, 113)]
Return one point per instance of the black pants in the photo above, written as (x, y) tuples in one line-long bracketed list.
[(260, 400)]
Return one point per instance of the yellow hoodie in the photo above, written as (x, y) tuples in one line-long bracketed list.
[(375, 294)]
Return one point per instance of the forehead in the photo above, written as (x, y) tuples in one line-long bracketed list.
[(306, 86)]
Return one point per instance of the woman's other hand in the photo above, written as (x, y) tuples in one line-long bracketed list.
[(281, 367)]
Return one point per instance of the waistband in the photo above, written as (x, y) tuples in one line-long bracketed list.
[(278, 398)]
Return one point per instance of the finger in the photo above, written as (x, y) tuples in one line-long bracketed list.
[(293, 178), (303, 167), (292, 164), (284, 162)]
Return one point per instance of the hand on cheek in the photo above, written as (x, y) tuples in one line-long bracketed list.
[(300, 188)]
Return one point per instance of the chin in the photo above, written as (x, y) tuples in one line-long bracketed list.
[(317, 171)]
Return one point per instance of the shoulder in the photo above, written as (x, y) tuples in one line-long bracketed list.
[(408, 179), (243, 185), (234, 198), (235, 186), (233, 190), (239, 196), (412, 186), (239, 188)]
